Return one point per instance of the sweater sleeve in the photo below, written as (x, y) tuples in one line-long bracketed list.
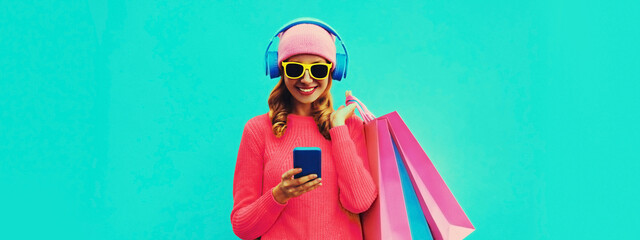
[(253, 211), (356, 187)]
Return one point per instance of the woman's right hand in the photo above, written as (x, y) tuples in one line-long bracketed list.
[(289, 187)]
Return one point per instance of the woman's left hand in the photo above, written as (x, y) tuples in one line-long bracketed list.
[(338, 117)]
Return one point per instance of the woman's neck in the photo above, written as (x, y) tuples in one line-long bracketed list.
[(302, 109)]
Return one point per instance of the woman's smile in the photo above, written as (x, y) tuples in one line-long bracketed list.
[(306, 90)]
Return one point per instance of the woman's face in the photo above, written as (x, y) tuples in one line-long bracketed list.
[(306, 89)]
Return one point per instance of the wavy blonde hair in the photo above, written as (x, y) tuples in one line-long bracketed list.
[(281, 105)]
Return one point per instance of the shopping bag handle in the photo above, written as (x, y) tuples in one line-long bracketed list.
[(365, 116), (364, 112)]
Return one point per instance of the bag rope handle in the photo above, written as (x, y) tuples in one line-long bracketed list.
[(366, 114)]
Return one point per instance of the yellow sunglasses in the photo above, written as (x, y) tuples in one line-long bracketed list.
[(295, 70)]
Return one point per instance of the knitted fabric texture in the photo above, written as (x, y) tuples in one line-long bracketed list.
[(331, 211), (307, 39)]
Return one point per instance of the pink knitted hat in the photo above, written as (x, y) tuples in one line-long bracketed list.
[(307, 39)]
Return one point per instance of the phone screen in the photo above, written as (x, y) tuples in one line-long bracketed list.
[(309, 159)]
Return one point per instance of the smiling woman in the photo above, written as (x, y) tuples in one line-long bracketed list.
[(304, 95), (268, 201)]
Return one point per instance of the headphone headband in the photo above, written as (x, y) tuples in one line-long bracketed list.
[(341, 69)]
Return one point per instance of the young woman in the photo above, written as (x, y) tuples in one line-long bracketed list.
[(270, 203)]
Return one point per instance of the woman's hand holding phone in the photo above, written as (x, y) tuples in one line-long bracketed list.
[(290, 187)]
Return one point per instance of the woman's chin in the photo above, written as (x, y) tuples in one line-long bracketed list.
[(306, 99)]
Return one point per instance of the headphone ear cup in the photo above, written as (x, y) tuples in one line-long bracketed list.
[(341, 67), (272, 64)]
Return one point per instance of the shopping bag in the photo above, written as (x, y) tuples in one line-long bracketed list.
[(444, 215), (396, 213), (417, 220), (387, 216)]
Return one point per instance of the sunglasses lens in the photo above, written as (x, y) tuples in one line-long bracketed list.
[(319, 71), (294, 70)]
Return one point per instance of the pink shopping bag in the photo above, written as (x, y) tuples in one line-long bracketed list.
[(445, 216), (387, 217)]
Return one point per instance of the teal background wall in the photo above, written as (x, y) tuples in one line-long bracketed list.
[(122, 119)]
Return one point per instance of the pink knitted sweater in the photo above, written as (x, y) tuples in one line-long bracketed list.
[(328, 212)]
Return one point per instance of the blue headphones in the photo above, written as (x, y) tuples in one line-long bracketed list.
[(271, 57)]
